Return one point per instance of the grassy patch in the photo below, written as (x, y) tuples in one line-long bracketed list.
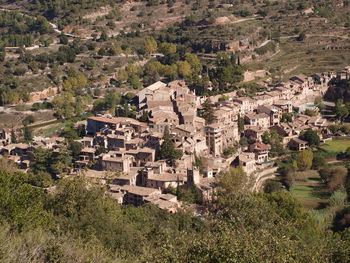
[(50, 130), (336, 145), (309, 190)]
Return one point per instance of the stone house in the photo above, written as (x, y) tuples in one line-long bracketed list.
[(87, 141), (165, 180), (264, 99), (115, 142), (257, 119), (261, 151), (247, 162), (285, 105), (254, 134), (303, 81), (96, 124), (114, 163), (166, 202), (136, 195), (213, 135), (141, 156), (129, 178), (19, 149), (297, 145), (247, 104), (148, 91), (89, 153), (273, 112)]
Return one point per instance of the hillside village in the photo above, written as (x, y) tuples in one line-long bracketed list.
[(128, 155)]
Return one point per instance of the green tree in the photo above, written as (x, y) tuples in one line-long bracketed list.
[(208, 111), (134, 81), (28, 120), (311, 137), (240, 123), (319, 103), (167, 149), (144, 117), (318, 161), (2, 53), (100, 150), (21, 205), (287, 174), (61, 161), (333, 177), (104, 36), (272, 186), (275, 141), (301, 37), (63, 39), (184, 69), (266, 137), (41, 161), (195, 63), (167, 48), (243, 141), (341, 111), (287, 117), (233, 181), (27, 134), (150, 45), (13, 137), (75, 148), (334, 128), (304, 159)]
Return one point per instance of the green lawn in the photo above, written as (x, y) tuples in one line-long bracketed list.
[(50, 130), (337, 145), (309, 189)]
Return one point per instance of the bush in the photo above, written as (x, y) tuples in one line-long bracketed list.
[(318, 161), (272, 186), (334, 177), (270, 47), (28, 120)]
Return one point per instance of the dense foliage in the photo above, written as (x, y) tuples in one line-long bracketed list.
[(19, 30), (76, 221)]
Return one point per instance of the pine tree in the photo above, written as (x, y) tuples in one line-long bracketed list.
[(240, 123), (27, 134), (13, 137)]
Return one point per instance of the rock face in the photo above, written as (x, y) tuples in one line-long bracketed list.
[(39, 95), (222, 20)]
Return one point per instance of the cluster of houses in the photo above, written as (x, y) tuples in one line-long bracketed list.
[(123, 153)]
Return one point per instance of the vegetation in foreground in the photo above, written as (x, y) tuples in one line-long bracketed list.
[(77, 223)]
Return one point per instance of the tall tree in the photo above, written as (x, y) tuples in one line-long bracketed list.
[(208, 111), (341, 111), (150, 45), (41, 161), (13, 137), (232, 181), (304, 159), (240, 123), (311, 137), (167, 148), (27, 134), (61, 161)]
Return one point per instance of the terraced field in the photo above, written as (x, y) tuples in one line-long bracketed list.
[(309, 190)]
